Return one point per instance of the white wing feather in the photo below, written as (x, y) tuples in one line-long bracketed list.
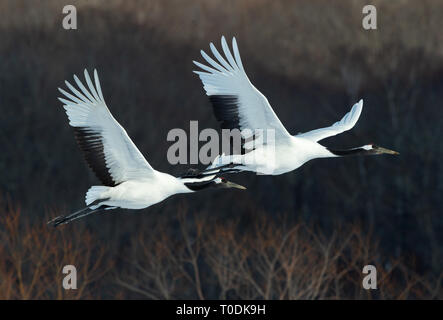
[(346, 123), (87, 110), (226, 77)]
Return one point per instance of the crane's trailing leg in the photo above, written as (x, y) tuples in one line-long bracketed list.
[(92, 208), (210, 171)]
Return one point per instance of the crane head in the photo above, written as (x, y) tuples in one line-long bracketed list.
[(374, 149), (223, 183)]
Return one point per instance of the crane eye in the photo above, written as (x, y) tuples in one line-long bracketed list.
[(223, 179)]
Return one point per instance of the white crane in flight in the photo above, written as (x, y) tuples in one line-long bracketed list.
[(128, 179), (237, 104)]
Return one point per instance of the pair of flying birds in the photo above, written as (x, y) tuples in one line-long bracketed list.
[(130, 182)]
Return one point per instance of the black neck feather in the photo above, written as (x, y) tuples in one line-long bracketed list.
[(201, 185), (349, 152)]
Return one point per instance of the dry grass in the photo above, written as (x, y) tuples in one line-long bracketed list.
[(272, 260), (191, 258), (32, 258)]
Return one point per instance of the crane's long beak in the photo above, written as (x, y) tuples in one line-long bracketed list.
[(381, 150), (230, 184)]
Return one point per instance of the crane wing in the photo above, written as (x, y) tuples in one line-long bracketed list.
[(345, 124), (236, 102), (107, 147)]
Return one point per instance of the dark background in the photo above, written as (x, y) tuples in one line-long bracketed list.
[(311, 59)]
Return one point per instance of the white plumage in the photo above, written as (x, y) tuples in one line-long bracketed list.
[(254, 110), (346, 123), (238, 104), (89, 112), (128, 179)]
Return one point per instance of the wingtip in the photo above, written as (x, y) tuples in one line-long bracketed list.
[(64, 103), (223, 42), (234, 41), (359, 104)]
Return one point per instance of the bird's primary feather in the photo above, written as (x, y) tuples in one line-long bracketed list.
[(236, 102), (346, 123), (106, 146)]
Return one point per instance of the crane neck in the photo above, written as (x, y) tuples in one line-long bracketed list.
[(364, 150)]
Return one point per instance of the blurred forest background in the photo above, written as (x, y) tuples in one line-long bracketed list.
[(302, 235)]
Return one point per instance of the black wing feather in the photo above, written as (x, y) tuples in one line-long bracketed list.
[(226, 110), (91, 143)]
